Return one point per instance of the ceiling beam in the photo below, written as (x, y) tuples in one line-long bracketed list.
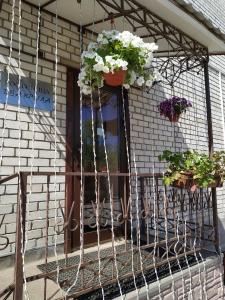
[(157, 29), (112, 16)]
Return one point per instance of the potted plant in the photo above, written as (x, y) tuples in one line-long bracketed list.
[(191, 169), (119, 58), (173, 107)]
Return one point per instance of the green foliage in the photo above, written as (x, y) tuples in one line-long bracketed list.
[(205, 170)]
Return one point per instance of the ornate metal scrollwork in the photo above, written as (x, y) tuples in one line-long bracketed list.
[(124, 215), (4, 245), (66, 224), (92, 221)]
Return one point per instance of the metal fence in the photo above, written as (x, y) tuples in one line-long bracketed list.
[(152, 230)]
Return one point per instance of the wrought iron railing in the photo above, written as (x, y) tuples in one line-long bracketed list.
[(155, 228)]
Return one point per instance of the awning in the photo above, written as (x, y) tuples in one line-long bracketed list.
[(177, 13)]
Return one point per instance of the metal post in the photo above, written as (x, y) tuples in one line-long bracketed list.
[(20, 228), (142, 227), (210, 145)]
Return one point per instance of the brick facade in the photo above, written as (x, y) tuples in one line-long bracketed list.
[(150, 133)]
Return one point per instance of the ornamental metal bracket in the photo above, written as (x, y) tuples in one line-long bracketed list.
[(183, 53)]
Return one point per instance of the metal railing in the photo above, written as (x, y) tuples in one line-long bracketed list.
[(159, 226)]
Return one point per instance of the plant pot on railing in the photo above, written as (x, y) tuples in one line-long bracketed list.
[(192, 170), (186, 181), (115, 79), (174, 118)]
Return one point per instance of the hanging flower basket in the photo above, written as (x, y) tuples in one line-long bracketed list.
[(119, 58), (172, 108), (192, 170), (116, 78), (174, 118)]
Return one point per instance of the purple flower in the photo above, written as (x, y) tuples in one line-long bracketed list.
[(174, 105)]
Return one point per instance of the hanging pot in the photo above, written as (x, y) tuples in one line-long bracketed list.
[(186, 181), (174, 118), (115, 79)]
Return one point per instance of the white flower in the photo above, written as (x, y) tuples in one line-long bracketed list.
[(137, 42), (149, 83), (121, 64), (86, 90), (140, 81), (98, 59), (151, 47), (133, 77), (88, 54), (126, 37), (149, 60), (100, 37), (126, 86), (109, 59), (98, 67), (105, 69), (157, 76), (92, 46)]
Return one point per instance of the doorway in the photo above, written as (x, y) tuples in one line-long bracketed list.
[(113, 124)]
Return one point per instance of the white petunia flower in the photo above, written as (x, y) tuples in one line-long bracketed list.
[(133, 77), (126, 86), (105, 69), (100, 37), (98, 67), (149, 60), (151, 46), (140, 81), (126, 37), (86, 90), (98, 59), (109, 59), (149, 83), (92, 46), (137, 42), (88, 54)]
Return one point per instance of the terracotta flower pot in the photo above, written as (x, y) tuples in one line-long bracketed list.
[(174, 118), (115, 79), (186, 181)]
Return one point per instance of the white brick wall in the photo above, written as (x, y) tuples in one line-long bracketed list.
[(146, 124), (150, 133)]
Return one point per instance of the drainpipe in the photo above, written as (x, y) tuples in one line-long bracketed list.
[(210, 145)]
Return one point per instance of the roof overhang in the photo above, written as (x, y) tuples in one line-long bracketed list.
[(165, 9)]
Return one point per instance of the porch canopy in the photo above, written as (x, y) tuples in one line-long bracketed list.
[(146, 17), (185, 39)]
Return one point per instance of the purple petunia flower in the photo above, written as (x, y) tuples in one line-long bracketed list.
[(174, 106)]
